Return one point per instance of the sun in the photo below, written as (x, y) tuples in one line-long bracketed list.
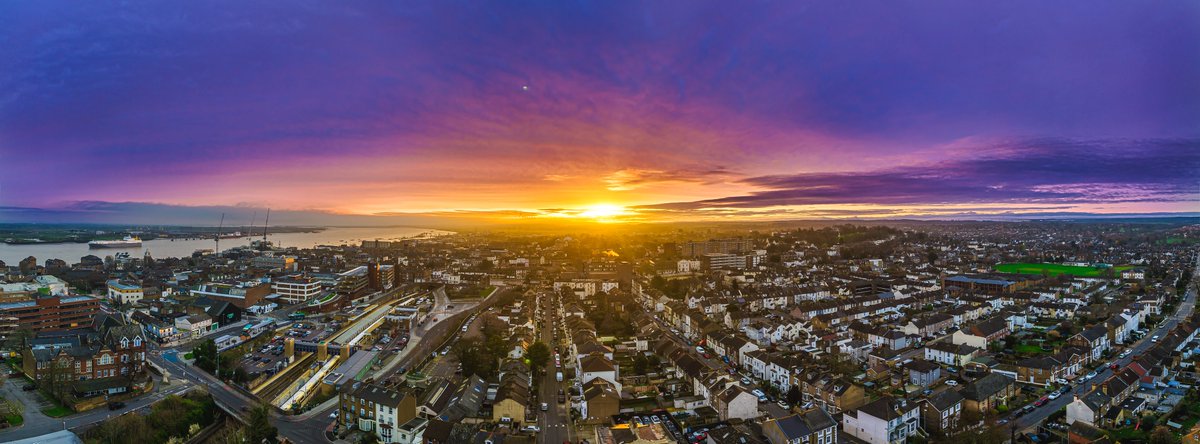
[(603, 211)]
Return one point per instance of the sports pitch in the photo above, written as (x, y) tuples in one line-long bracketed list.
[(1054, 269)]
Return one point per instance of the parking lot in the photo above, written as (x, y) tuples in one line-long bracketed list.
[(667, 422), (268, 358)]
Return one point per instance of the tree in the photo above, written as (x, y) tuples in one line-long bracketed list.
[(58, 378), (258, 425), (205, 355), (475, 358), (640, 364), (233, 436), (794, 396), (1162, 435), (538, 355)]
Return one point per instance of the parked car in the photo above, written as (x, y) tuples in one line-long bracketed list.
[(951, 382), (545, 406), (1090, 375), (29, 387), (746, 381), (1053, 395), (782, 405), (1041, 402), (115, 405)]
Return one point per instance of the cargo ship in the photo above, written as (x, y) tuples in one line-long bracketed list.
[(127, 242)]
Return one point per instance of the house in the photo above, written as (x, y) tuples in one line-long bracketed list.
[(377, 409), (600, 400), (195, 325), (1039, 370), (950, 354), (594, 366), (511, 401), (884, 421), (923, 373), (988, 392), (929, 325), (1103, 403), (734, 401), (829, 393), (1094, 339), (812, 427), (982, 333), (156, 328), (941, 411)]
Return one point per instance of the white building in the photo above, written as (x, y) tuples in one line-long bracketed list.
[(687, 266), (124, 293), (884, 421), (195, 325), (296, 289)]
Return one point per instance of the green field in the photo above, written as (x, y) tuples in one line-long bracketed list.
[(1054, 269)]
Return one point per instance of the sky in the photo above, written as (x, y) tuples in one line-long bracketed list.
[(666, 110)]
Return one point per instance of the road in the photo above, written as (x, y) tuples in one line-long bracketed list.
[(1030, 421), (37, 423), (713, 362), (309, 427), (555, 422)]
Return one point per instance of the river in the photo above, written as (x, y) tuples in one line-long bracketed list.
[(163, 248)]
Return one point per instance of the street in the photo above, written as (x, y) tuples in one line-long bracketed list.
[(555, 421), (1030, 421)]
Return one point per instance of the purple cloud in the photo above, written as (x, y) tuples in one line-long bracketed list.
[(1041, 171), (158, 100)]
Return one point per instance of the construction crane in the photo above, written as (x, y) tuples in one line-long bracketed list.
[(265, 225)]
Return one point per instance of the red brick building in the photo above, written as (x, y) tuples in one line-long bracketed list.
[(50, 313)]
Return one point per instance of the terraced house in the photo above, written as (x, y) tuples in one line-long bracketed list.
[(373, 408)]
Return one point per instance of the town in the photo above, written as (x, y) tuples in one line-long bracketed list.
[(820, 333)]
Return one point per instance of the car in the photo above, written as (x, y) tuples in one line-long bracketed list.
[(951, 382), (782, 405), (1002, 422), (333, 415), (759, 393), (116, 405), (707, 356), (1054, 395), (927, 392), (747, 381), (545, 406), (29, 387), (655, 419), (1041, 401), (1090, 375), (1154, 339), (1113, 366), (532, 428), (1126, 353)]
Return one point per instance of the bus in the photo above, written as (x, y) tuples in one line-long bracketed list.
[(299, 315)]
